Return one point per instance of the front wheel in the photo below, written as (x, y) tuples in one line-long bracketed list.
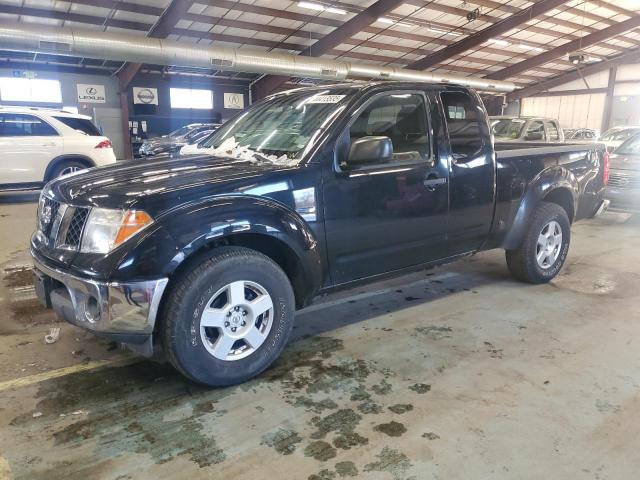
[(228, 319), (545, 246)]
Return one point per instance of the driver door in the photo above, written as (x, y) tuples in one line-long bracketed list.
[(385, 214)]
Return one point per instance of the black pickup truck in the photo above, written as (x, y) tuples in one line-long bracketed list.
[(208, 257)]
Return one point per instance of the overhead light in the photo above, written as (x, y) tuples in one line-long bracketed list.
[(530, 47), (497, 41), (444, 32), (321, 8), (393, 22)]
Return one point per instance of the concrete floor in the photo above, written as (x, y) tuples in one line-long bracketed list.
[(455, 373)]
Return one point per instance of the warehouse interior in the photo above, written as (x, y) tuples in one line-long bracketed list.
[(400, 364)]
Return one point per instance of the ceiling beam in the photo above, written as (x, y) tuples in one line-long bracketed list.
[(566, 48), (493, 19), (499, 28), (632, 56), (359, 22), (161, 29)]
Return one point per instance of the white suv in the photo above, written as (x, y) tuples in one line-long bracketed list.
[(38, 144)]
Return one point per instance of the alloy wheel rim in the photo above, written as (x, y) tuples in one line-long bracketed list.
[(68, 170), (237, 320), (549, 245)]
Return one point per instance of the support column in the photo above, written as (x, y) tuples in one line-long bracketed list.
[(126, 132), (608, 102)]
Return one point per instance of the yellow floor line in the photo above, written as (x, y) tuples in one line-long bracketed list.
[(5, 471), (61, 372)]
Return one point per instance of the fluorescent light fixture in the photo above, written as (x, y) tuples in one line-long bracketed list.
[(530, 47), (393, 22), (443, 32), (497, 41), (321, 8)]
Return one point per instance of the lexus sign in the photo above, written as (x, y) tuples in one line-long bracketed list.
[(91, 93)]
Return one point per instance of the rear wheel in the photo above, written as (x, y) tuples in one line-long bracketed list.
[(228, 319), (545, 246), (65, 167)]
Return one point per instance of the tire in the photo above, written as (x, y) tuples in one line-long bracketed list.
[(205, 294), (66, 166), (524, 263)]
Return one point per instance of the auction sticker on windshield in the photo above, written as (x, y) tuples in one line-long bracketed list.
[(325, 99)]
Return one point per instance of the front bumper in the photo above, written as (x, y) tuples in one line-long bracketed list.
[(125, 312)]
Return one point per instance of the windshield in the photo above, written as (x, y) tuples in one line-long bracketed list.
[(508, 127), (630, 147), (618, 135), (280, 130)]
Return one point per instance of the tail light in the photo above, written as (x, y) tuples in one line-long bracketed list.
[(605, 168), (104, 144)]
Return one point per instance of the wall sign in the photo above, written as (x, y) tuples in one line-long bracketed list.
[(234, 100), (91, 93), (145, 96)]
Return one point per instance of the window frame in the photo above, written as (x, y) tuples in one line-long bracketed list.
[(32, 100), (212, 108), (42, 120), (429, 161), (443, 110)]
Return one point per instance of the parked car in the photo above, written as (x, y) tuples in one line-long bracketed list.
[(308, 191), (38, 145), (172, 143), (624, 176), (586, 134), (526, 129), (615, 136)]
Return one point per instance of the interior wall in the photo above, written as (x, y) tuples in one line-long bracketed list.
[(572, 111), (69, 87), (167, 119)]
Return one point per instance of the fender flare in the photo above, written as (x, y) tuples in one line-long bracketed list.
[(196, 226), (553, 179), (63, 158)]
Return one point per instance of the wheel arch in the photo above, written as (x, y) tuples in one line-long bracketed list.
[(256, 223), (53, 164), (554, 185)]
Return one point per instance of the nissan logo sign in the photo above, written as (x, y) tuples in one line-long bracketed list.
[(146, 96)]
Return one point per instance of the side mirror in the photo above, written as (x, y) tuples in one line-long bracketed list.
[(533, 136), (370, 150)]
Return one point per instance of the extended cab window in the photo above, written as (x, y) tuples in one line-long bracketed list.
[(463, 124), (20, 125), (400, 117)]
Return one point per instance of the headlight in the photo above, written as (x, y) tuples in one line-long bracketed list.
[(106, 229)]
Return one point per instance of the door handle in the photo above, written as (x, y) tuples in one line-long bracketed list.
[(432, 183)]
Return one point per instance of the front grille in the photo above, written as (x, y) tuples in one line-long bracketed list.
[(624, 179), (76, 225), (48, 212)]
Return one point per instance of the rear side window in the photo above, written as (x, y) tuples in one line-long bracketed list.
[(463, 124), (81, 124), (21, 125), (554, 135)]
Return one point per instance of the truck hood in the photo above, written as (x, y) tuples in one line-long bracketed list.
[(624, 162), (159, 184)]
